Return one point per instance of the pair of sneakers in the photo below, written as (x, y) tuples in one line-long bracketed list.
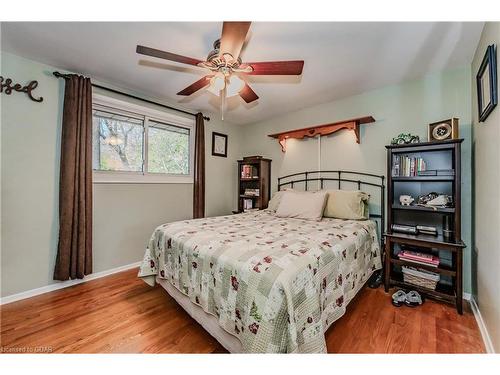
[(411, 299)]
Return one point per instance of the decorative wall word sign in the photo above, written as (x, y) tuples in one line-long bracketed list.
[(7, 87), (321, 130)]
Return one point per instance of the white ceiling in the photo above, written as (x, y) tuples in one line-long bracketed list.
[(341, 59)]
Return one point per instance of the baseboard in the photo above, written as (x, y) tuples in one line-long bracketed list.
[(482, 326), (64, 284)]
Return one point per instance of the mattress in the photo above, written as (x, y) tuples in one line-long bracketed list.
[(274, 284)]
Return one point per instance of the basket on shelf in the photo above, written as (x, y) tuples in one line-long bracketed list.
[(421, 278)]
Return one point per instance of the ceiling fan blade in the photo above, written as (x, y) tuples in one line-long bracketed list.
[(293, 68), (248, 94), (233, 37), (205, 81), (167, 55)]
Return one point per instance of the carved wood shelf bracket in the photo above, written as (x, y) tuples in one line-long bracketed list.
[(321, 130)]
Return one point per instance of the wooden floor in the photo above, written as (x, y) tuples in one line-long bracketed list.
[(120, 313)]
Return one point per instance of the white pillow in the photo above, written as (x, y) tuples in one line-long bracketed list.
[(302, 206), (275, 200)]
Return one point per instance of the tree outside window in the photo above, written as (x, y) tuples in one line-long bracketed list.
[(119, 144)]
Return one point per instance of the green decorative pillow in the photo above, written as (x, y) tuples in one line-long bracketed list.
[(346, 204)]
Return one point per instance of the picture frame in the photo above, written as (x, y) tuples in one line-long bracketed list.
[(219, 144), (486, 81)]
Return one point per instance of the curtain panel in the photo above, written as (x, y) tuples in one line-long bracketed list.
[(199, 169), (74, 252)]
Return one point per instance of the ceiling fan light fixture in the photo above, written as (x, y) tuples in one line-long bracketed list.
[(113, 140), (234, 85), (226, 67)]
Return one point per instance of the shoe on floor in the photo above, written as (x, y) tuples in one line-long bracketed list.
[(413, 299), (399, 298)]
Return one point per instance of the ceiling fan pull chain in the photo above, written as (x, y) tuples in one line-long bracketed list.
[(223, 99)]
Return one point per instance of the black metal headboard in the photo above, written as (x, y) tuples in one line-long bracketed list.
[(348, 178)]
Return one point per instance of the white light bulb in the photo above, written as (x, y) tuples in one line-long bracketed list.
[(234, 86), (217, 83), (113, 140)]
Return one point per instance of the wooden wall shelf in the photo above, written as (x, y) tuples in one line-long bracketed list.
[(321, 130)]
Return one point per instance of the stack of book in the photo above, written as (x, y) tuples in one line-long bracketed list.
[(405, 166), (252, 192), (437, 172), (420, 258), (247, 204)]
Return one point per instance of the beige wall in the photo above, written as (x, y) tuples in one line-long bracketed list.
[(407, 107), (124, 214), (487, 199)]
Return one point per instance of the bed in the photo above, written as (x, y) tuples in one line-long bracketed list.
[(259, 283)]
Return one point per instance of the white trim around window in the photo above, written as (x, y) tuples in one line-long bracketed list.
[(146, 113)]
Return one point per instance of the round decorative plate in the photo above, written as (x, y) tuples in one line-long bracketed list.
[(441, 131)]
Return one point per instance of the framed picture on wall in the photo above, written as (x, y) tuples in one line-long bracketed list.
[(219, 144), (486, 80)]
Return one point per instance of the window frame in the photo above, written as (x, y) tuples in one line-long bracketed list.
[(147, 114)]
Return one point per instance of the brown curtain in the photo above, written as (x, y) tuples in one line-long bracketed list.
[(199, 169), (74, 252)]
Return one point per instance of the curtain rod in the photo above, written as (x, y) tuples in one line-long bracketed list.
[(61, 75)]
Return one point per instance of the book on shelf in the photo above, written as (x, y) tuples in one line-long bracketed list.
[(418, 262), (418, 257), (437, 172), (405, 166), (249, 171), (252, 192), (247, 204), (445, 172)]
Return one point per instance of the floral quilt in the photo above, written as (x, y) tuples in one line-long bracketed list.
[(275, 283)]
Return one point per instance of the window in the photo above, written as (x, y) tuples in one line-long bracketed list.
[(168, 149), (132, 143), (118, 142)]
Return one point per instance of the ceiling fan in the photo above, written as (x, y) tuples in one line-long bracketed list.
[(225, 65)]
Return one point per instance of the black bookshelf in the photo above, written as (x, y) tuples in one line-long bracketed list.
[(442, 156), (260, 179)]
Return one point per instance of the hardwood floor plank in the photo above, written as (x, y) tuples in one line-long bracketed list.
[(121, 314)]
